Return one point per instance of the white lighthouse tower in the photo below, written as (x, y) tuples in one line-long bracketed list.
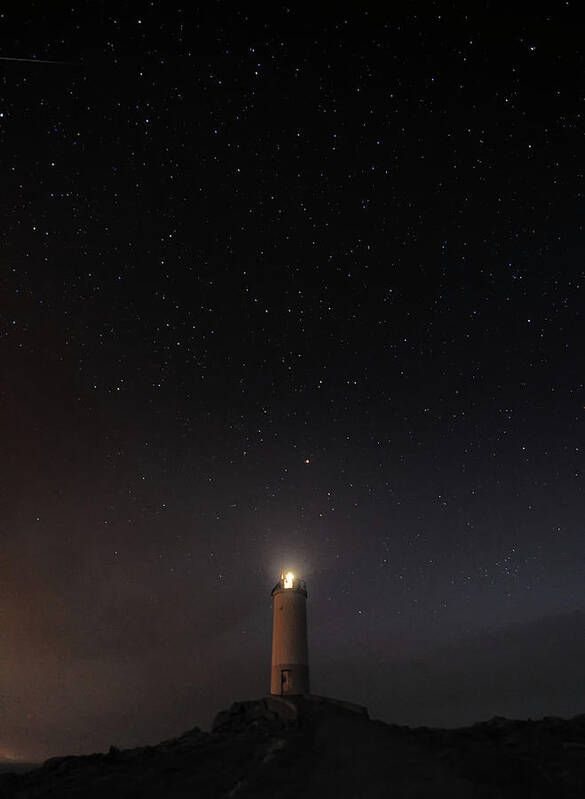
[(290, 655)]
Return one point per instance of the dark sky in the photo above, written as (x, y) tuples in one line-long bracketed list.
[(289, 289)]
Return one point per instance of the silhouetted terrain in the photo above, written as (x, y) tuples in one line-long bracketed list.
[(11, 766), (313, 747)]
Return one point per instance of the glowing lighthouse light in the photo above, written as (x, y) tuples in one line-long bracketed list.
[(288, 580)]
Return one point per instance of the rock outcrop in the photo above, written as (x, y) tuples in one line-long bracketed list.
[(314, 747)]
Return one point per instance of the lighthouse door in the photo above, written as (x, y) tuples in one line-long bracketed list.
[(285, 681)]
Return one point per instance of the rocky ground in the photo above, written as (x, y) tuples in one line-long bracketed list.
[(314, 747)]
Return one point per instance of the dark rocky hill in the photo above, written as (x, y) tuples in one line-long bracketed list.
[(314, 747)]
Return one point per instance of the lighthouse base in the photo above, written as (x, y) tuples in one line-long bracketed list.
[(285, 710), (289, 679)]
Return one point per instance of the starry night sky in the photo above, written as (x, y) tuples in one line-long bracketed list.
[(290, 289)]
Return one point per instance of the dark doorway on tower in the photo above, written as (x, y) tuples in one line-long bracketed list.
[(285, 681)]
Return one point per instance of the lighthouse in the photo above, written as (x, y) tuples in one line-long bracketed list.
[(290, 656)]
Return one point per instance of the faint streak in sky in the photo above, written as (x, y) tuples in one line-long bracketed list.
[(38, 61)]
